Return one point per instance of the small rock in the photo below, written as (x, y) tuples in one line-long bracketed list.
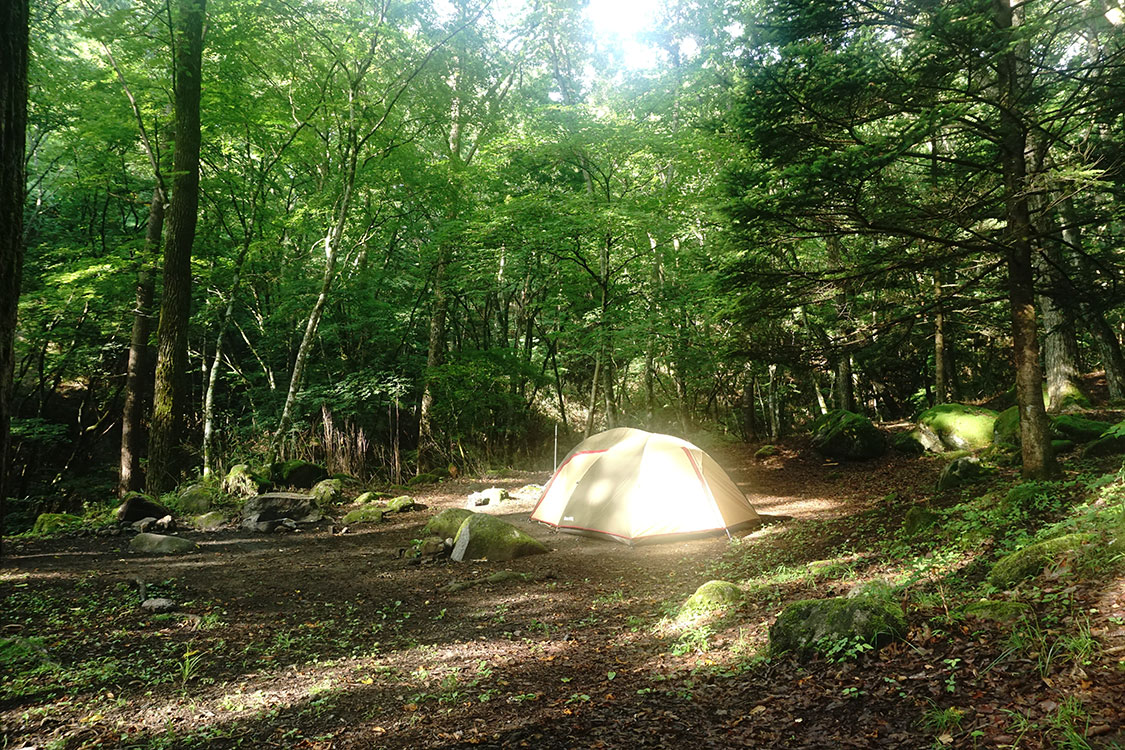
[(162, 545), (285, 526), (145, 524), (165, 524), (159, 605)]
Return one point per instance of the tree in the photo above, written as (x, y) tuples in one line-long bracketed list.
[(170, 395), (13, 126)]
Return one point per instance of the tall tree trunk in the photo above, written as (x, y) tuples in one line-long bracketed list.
[(845, 386), (213, 375), (170, 394), (593, 394), (138, 377), (13, 129), (941, 368), (1038, 458)]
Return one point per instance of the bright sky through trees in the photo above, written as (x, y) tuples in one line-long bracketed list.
[(619, 22)]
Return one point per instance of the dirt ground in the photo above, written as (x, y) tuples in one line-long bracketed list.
[(369, 650)]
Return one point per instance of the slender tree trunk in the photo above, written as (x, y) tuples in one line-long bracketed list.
[(593, 394), (774, 401), (941, 369), (138, 377), (1038, 458), (845, 390), (170, 394), (435, 355), (13, 129)]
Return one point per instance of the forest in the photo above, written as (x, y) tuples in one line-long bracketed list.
[(429, 246)]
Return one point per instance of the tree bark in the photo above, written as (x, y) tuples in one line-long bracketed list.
[(138, 377), (1038, 458), (435, 354), (13, 129), (941, 367), (170, 393)]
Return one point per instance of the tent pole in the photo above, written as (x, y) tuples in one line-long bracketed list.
[(556, 448)]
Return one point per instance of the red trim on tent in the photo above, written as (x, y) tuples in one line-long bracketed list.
[(552, 481), (632, 538), (695, 466)]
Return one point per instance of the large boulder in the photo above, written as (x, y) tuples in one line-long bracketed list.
[(400, 504), (194, 499), (836, 625), (484, 537), (137, 506), (1033, 559), (49, 523), (1110, 445), (446, 523), (159, 544), (209, 521), (959, 426), (274, 506), (298, 473), (243, 481), (960, 471), (847, 435), (328, 492), (1006, 428)]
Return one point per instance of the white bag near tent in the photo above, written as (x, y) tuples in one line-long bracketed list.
[(633, 486)]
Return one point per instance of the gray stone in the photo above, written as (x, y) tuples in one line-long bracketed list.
[(959, 471), (162, 545), (210, 521), (486, 497), (165, 524), (145, 524), (137, 506), (274, 506), (158, 605)]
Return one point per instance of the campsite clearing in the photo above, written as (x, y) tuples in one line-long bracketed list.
[(322, 640)]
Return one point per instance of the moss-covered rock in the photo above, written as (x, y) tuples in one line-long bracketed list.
[(816, 625), (209, 521), (1070, 398), (400, 504), (960, 426), (1006, 428), (446, 523), (1079, 429), (136, 506), (1033, 559), (1062, 446), (1110, 445), (424, 478), (372, 497), (846, 435), (159, 544), (243, 481), (484, 537), (366, 514), (327, 492), (918, 518), (195, 499), (765, 452), (298, 473), (996, 610), (960, 471), (908, 443), (713, 595), (49, 523)]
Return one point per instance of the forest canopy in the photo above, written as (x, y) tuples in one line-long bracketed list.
[(397, 237)]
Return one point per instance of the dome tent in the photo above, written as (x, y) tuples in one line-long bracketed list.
[(633, 486)]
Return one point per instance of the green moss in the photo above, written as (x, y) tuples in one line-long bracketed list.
[(918, 518), (996, 610), (1062, 446), (424, 479), (1035, 558), (1110, 445), (484, 537), (847, 435), (50, 523), (959, 426), (446, 523), (908, 443), (1006, 429), (328, 492), (209, 521), (711, 596), (1079, 429), (766, 451), (808, 626), (399, 504), (298, 473), (368, 514), (243, 481)]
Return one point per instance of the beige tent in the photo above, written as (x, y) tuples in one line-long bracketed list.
[(633, 485)]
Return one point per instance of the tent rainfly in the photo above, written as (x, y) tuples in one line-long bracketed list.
[(632, 486)]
